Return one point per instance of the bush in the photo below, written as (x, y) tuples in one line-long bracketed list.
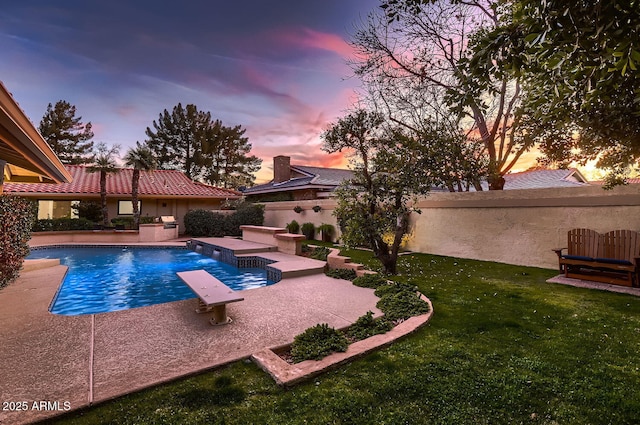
[(62, 224), (245, 213), (394, 288), (327, 231), (16, 219), (293, 227), (318, 342), (309, 231), (204, 223), (320, 253), (370, 280), (402, 305), (147, 220), (367, 326), (346, 274), (127, 221), (208, 223), (90, 210)]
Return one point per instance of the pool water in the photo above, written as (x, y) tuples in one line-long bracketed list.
[(102, 279)]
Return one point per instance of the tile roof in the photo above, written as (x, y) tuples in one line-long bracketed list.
[(163, 183), (327, 178), (541, 179)]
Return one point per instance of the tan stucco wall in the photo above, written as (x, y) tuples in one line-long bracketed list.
[(279, 214), (513, 226)]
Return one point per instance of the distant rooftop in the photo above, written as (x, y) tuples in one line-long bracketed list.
[(303, 177), (158, 183)]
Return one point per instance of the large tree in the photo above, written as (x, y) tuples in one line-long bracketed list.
[(104, 163), (225, 157), (414, 62), (66, 134), (579, 62), (187, 139), (140, 158), (177, 138), (388, 174)]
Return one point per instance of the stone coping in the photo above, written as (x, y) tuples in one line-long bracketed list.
[(263, 229), (290, 236), (287, 375)]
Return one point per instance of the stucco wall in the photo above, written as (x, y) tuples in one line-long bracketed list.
[(279, 214), (513, 226)]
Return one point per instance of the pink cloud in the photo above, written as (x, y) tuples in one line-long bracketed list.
[(307, 38)]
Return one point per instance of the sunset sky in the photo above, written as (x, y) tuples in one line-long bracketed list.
[(277, 67)]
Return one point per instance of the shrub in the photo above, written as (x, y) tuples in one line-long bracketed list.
[(402, 305), (395, 288), (298, 209), (370, 280), (309, 231), (147, 220), (123, 221), (62, 224), (367, 326), (16, 219), (245, 213), (320, 253), (346, 274), (327, 231), (90, 210), (293, 227), (318, 342), (317, 208), (204, 223)]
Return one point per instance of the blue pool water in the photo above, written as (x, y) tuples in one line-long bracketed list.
[(103, 279)]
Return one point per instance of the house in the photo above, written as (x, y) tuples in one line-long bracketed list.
[(161, 193), (24, 154), (297, 182)]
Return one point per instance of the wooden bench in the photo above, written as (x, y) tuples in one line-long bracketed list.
[(612, 257), (213, 295)]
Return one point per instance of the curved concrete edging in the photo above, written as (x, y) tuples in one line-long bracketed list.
[(286, 374)]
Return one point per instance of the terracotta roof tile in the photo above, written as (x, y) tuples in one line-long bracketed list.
[(152, 183)]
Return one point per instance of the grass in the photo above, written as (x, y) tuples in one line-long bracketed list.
[(503, 347)]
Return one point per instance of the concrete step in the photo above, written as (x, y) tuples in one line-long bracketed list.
[(43, 263)]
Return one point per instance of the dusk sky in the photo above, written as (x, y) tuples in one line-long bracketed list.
[(278, 67)]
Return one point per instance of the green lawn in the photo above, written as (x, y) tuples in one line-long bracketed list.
[(503, 347)]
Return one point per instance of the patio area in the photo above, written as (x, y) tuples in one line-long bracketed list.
[(70, 362)]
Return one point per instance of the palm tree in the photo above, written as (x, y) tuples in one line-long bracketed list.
[(104, 163), (140, 158)]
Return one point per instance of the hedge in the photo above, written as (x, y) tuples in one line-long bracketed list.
[(16, 218), (199, 223)]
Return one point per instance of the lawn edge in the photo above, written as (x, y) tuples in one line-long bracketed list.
[(287, 375)]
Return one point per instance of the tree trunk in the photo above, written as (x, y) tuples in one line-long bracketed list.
[(496, 182), (103, 197), (135, 180)]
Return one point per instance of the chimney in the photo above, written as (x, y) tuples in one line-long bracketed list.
[(281, 168)]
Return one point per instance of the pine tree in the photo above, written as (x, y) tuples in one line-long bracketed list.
[(188, 140), (178, 137), (66, 134), (226, 160)]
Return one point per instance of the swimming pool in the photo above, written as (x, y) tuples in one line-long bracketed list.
[(105, 279)]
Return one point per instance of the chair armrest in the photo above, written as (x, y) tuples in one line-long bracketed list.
[(558, 251)]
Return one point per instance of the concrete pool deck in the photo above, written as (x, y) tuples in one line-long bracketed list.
[(75, 361)]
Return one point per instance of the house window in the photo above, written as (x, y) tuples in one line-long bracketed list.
[(48, 209), (126, 207)]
